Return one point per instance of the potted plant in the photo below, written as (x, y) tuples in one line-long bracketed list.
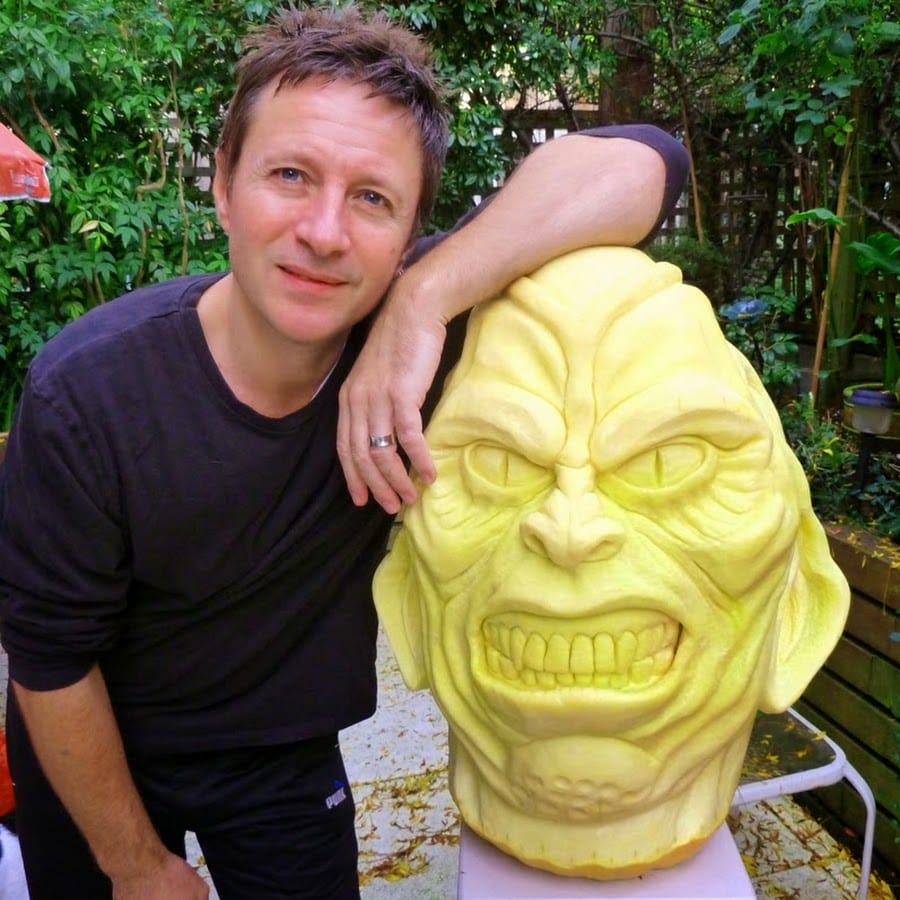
[(880, 253)]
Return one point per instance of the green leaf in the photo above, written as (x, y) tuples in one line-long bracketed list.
[(887, 31), (819, 214), (814, 117), (842, 43), (838, 343), (803, 133), (838, 87), (729, 34), (880, 252)]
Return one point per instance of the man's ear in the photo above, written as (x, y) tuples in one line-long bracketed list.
[(810, 618), (400, 612), (220, 191)]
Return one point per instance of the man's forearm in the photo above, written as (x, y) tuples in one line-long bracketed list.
[(77, 741), (573, 192)]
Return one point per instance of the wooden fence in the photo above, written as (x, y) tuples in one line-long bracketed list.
[(855, 698)]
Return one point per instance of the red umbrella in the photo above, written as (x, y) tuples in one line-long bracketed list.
[(23, 174)]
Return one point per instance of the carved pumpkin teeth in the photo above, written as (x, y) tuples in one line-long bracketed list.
[(604, 658)]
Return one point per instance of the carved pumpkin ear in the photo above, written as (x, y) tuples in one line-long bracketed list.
[(400, 612), (810, 618)]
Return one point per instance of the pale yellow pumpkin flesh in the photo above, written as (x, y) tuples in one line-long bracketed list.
[(617, 565)]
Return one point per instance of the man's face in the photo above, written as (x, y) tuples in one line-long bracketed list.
[(320, 207), (598, 565)]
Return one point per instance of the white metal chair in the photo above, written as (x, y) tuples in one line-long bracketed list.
[(787, 754)]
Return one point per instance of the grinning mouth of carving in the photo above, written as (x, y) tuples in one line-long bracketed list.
[(622, 650)]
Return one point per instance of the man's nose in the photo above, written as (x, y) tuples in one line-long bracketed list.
[(322, 224), (572, 526)]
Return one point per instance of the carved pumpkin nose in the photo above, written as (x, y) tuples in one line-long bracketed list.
[(572, 527)]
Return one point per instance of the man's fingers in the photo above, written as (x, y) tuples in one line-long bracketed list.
[(381, 469), (388, 480), (356, 483), (413, 442), (371, 464), (379, 429), (410, 436)]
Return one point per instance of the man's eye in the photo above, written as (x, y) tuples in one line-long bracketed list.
[(289, 174), (373, 198)]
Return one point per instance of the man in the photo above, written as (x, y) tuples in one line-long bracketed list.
[(186, 578)]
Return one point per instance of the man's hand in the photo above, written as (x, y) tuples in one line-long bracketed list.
[(383, 396), (173, 879)]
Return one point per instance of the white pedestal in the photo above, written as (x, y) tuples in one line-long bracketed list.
[(715, 872)]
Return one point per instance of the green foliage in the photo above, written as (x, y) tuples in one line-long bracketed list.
[(498, 60), (702, 264), (879, 499), (694, 74), (829, 454), (122, 99), (803, 59), (819, 215), (755, 324), (820, 83), (880, 253), (26, 327), (845, 299)]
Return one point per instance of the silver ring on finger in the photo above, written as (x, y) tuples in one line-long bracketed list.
[(381, 440)]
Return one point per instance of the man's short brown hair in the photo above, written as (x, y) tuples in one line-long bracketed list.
[(342, 44)]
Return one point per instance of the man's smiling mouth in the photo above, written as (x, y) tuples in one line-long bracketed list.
[(625, 650), (311, 276)]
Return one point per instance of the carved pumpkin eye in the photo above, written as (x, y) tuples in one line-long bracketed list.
[(667, 466), (501, 475)]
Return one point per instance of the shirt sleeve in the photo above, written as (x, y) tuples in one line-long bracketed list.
[(63, 577)]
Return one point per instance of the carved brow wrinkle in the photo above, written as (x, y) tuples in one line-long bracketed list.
[(511, 439), (731, 429)]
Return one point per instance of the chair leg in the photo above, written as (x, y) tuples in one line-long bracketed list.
[(868, 799)]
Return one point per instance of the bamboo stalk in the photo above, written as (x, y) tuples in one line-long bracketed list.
[(698, 216), (843, 192)]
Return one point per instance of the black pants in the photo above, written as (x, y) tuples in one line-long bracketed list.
[(273, 822)]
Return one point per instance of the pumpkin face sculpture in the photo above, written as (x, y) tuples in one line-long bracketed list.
[(616, 567)]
